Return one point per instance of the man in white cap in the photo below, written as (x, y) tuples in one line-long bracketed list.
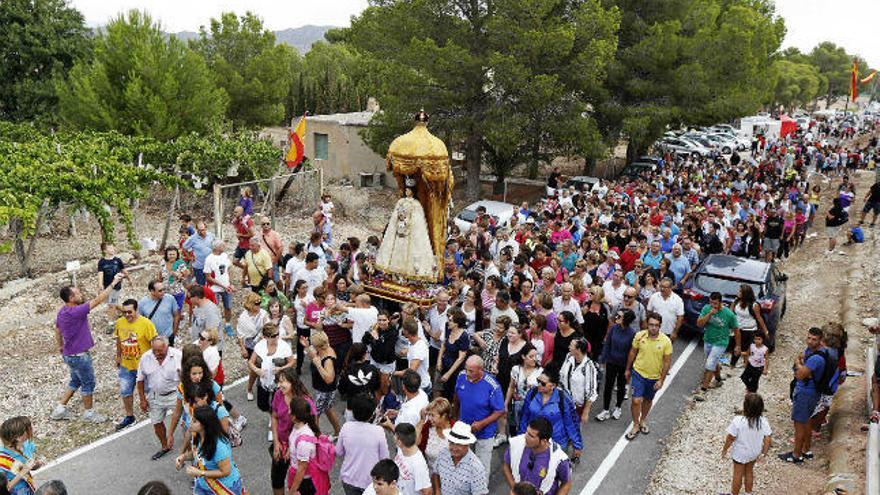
[(457, 471)]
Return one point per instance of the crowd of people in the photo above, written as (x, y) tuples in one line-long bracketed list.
[(578, 297)]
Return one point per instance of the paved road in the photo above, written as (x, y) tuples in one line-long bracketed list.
[(121, 463)]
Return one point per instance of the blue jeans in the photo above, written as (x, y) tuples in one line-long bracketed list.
[(82, 373), (127, 381), (200, 275)]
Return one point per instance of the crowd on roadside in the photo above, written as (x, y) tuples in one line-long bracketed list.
[(577, 300)]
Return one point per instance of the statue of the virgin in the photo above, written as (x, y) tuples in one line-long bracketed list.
[(405, 250)]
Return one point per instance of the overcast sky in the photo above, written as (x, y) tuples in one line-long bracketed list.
[(850, 23)]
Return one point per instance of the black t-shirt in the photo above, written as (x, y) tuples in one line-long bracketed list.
[(874, 196), (773, 228), (553, 180), (318, 383), (109, 269), (838, 217)]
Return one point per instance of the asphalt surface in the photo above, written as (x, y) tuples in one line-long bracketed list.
[(121, 463)]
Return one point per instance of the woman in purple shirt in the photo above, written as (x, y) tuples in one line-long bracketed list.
[(361, 445)]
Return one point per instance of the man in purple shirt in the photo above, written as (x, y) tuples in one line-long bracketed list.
[(535, 458), (74, 338)]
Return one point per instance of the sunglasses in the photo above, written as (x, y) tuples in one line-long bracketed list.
[(202, 337), (625, 296), (272, 336), (531, 464), (542, 383)]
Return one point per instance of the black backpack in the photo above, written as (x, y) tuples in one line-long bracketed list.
[(823, 385)]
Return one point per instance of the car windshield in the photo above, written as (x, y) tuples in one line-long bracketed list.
[(467, 215), (727, 287)]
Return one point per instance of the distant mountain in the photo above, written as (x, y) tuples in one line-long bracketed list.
[(300, 38)]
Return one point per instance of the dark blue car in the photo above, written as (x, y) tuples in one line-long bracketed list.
[(724, 273)]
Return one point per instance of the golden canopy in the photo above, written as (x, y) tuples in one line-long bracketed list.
[(423, 157)]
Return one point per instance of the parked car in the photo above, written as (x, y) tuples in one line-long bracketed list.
[(501, 212), (725, 143), (641, 164), (581, 182), (724, 273), (684, 146)]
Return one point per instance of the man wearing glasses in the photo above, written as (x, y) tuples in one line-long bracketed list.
[(133, 335), (161, 309), (533, 457)]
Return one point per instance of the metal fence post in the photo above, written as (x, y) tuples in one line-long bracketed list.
[(218, 215)]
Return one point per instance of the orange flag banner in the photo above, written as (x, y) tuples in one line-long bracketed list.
[(297, 144)]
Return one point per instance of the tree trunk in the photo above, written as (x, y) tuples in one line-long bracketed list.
[(474, 152), (175, 203), (631, 152), (24, 255), (589, 165), (498, 186)]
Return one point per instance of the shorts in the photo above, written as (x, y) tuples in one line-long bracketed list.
[(225, 298), (831, 232), (180, 297), (713, 355), (127, 381), (771, 245), (113, 298), (160, 406), (803, 403), (824, 404), (82, 373), (239, 253), (642, 387), (871, 206), (324, 401), (264, 398)]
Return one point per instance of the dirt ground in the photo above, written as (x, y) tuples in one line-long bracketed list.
[(692, 461), (36, 375)]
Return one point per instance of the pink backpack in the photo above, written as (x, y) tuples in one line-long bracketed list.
[(320, 465)]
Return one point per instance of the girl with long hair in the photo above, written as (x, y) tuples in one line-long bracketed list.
[(214, 470), (289, 387), (19, 451), (304, 424), (748, 314)]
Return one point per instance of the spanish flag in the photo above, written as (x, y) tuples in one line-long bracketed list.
[(297, 144), (854, 86)]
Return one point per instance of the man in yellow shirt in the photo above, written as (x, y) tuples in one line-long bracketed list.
[(133, 335), (258, 263), (648, 364)]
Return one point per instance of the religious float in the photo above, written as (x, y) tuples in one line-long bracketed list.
[(409, 263)]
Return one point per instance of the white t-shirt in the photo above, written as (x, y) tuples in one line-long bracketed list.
[(282, 351), (313, 278), (669, 309), (212, 358), (294, 265), (613, 296), (411, 410), (218, 266), (369, 490), (419, 350), (749, 441), (414, 473), (362, 320)]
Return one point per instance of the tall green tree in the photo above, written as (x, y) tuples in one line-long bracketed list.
[(40, 40), (247, 63), (687, 62), (835, 67), (141, 83), (490, 72), (797, 84), (335, 78)]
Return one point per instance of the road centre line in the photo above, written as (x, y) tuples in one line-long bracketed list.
[(611, 459)]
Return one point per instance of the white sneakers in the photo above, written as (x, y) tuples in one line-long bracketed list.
[(250, 396), (616, 414), (92, 416), (500, 440), (241, 422), (60, 413), (602, 416), (269, 436)]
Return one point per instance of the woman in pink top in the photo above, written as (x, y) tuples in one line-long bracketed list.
[(304, 423), (289, 387)]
